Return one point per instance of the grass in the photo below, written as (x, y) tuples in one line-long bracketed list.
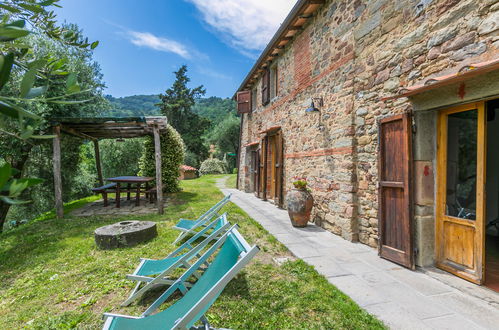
[(54, 277), (231, 181)]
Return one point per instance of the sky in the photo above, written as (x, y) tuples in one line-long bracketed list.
[(143, 42)]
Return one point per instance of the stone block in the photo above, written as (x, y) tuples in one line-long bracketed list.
[(490, 24), (425, 240), (367, 26), (424, 183)]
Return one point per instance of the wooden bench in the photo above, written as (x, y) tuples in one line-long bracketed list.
[(152, 194), (107, 188)]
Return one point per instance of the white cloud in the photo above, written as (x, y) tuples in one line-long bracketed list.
[(149, 40), (247, 25)]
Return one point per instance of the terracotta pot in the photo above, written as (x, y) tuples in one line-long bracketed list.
[(300, 203)]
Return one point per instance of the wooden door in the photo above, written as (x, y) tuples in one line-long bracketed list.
[(256, 177), (395, 190), (461, 191), (279, 169), (263, 170)]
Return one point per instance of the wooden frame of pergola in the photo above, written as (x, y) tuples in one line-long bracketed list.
[(95, 129)]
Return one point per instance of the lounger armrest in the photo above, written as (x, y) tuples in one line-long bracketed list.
[(108, 315)]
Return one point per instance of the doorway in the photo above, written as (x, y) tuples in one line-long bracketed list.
[(467, 208), (492, 199), (271, 168)]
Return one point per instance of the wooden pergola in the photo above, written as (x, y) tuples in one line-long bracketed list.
[(95, 129)]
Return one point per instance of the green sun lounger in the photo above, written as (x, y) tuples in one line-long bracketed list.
[(181, 257), (189, 227), (233, 254)]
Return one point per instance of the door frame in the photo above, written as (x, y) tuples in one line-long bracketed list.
[(477, 276)]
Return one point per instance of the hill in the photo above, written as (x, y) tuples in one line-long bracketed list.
[(214, 108)]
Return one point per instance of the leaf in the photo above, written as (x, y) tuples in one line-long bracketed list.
[(19, 23), (36, 91), (94, 44), (32, 7), (73, 89), (9, 33), (27, 133), (5, 173), (69, 102), (71, 80), (46, 3), (9, 8), (31, 181), (11, 201), (30, 76), (7, 63), (17, 187), (16, 112), (42, 137)]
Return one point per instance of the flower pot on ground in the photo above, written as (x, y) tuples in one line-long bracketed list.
[(300, 203)]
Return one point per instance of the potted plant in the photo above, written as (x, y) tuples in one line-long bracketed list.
[(300, 203)]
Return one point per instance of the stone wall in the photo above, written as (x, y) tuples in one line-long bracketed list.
[(352, 54)]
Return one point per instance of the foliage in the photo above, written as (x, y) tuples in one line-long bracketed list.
[(53, 276), (300, 183), (191, 159), (213, 166), (172, 156), (176, 105), (216, 109), (226, 137), (121, 158), (33, 157), (39, 72), (133, 106), (11, 188)]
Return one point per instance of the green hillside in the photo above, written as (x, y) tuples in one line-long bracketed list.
[(214, 108)]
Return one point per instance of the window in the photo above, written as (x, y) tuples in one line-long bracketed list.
[(274, 82), (266, 87), (253, 99)]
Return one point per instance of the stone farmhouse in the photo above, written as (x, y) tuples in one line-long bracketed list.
[(390, 109)]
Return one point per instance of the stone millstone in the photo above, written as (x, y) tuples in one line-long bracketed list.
[(125, 233)]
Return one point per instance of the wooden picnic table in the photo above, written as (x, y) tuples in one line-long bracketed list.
[(129, 180)]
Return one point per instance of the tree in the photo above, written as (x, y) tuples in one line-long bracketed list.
[(172, 156), (226, 137), (32, 156), (176, 104)]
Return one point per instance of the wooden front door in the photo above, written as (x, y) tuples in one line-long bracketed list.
[(461, 191), (271, 160), (395, 190)]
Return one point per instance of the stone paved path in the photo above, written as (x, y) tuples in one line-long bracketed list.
[(127, 207), (401, 298)]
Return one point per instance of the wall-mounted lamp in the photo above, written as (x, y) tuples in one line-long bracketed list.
[(315, 100)]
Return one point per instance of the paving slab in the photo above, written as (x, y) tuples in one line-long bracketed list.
[(401, 298)]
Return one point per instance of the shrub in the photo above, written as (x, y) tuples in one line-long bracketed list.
[(172, 156), (234, 170), (212, 166)]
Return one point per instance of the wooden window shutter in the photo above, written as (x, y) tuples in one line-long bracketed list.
[(266, 87), (244, 102)]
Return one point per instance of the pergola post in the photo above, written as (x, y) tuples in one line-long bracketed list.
[(159, 176), (59, 210), (98, 162)]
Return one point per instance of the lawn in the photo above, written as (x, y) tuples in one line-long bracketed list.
[(54, 277)]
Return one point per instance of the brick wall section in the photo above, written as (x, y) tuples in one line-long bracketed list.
[(352, 54), (301, 49)]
